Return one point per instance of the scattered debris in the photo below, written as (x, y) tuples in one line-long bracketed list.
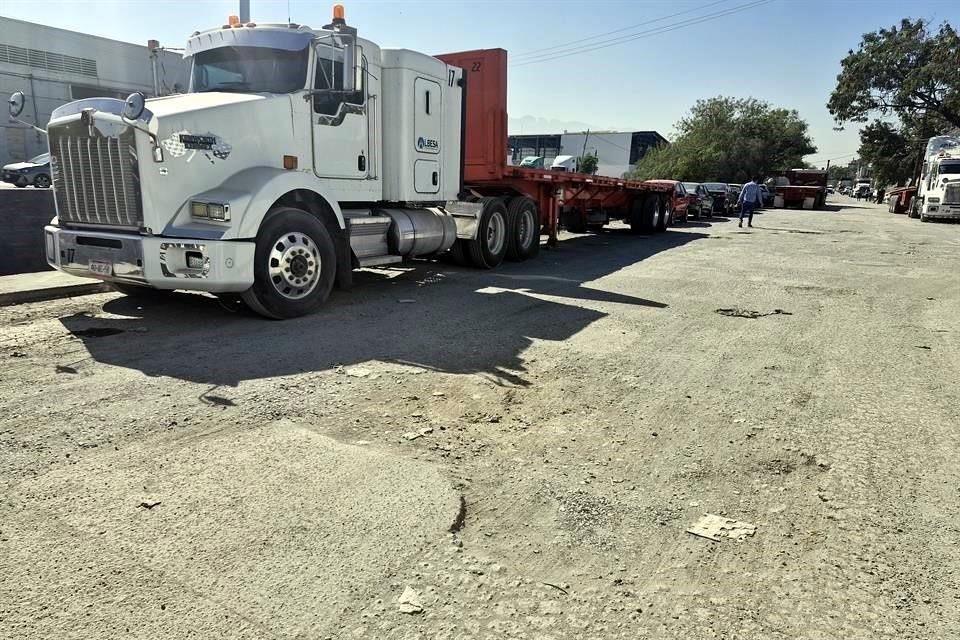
[(737, 312), (413, 435), (357, 372), (406, 301), (148, 505), (438, 394), (409, 602), (922, 346), (716, 528), (557, 587), (18, 354)]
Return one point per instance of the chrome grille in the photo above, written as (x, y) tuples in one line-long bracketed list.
[(95, 177), (951, 194)]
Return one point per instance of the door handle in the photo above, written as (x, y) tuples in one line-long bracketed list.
[(361, 162)]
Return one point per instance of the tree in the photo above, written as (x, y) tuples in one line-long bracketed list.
[(889, 153), (588, 163), (729, 140), (907, 71)]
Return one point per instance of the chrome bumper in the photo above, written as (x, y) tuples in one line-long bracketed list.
[(163, 263)]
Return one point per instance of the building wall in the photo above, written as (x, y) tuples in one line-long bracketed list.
[(55, 66), (616, 152)]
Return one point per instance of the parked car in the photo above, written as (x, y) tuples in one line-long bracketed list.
[(35, 171), (767, 195), (733, 194), (718, 190), (700, 200)]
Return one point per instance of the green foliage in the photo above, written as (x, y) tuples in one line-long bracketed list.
[(888, 151), (729, 140), (906, 71), (587, 163), (845, 172)]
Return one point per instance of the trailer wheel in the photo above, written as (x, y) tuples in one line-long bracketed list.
[(523, 225), (665, 213), (489, 248), (643, 214), (294, 265)]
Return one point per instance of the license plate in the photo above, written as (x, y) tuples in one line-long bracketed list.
[(101, 268)]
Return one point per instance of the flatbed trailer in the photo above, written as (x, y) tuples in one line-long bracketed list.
[(581, 201), (807, 189), (900, 199)]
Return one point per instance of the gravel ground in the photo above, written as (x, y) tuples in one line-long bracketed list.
[(587, 408)]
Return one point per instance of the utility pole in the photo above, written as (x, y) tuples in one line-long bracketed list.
[(244, 11), (154, 47), (828, 170)]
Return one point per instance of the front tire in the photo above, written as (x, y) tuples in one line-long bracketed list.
[(294, 266), (42, 181)]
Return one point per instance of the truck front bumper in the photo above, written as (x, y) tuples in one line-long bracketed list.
[(217, 266), (945, 211)]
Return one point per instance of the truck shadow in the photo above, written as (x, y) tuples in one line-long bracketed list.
[(425, 314)]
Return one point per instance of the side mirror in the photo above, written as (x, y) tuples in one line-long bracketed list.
[(15, 103), (135, 104)]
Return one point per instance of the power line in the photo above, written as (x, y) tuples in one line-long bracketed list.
[(537, 52), (578, 49)]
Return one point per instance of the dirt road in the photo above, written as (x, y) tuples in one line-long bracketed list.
[(173, 468)]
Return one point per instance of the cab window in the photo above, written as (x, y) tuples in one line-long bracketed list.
[(328, 81)]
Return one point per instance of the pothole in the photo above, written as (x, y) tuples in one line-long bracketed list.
[(96, 332), (736, 312)]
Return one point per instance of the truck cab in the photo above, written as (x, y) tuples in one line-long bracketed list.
[(939, 190), (296, 155)]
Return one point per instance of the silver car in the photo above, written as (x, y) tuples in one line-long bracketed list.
[(35, 171)]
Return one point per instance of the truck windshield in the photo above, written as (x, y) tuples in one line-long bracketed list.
[(949, 167), (249, 70)]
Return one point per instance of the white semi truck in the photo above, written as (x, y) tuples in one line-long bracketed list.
[(938, 188), (297, 155)]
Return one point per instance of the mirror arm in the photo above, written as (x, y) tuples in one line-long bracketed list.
[(157, 149), (32, 126)]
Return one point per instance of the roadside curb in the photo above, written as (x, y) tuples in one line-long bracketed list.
[(52, 293)]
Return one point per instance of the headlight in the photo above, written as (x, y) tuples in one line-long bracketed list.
[(933, 200), (218, 211)]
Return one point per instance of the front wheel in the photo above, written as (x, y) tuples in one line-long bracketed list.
[(294, 265), (42, 181)]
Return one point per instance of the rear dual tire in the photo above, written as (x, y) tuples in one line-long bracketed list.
[(523, 225)]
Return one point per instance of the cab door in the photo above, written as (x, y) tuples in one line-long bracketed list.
[(340, 133)]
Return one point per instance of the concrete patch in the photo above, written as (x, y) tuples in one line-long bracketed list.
[(264, 533)]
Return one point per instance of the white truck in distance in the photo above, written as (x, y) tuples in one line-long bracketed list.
[(297, 155), (938, 189)]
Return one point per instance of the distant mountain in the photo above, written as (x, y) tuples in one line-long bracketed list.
[(533, 124)]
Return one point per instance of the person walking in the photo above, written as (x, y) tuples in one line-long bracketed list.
[(749, 200)]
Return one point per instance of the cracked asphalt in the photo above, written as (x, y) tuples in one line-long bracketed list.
[(524, 448)]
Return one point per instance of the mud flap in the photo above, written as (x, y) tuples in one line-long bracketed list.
[(344, 279)]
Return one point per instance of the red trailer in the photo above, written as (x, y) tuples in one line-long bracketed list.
[(900, 199), (804, 188), (579, 201)]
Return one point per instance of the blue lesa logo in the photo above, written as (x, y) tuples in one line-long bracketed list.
[(427, 143)]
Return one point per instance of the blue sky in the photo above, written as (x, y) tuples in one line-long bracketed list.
[(786, 52)]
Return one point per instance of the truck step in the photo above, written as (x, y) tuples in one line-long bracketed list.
[(378, 261)]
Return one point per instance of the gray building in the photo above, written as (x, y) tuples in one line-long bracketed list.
[(55, 66), (617, 151)]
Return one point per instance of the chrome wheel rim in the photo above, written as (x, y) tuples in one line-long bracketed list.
[(525, 227), (42, 182), (496, 233), (294, 265)]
